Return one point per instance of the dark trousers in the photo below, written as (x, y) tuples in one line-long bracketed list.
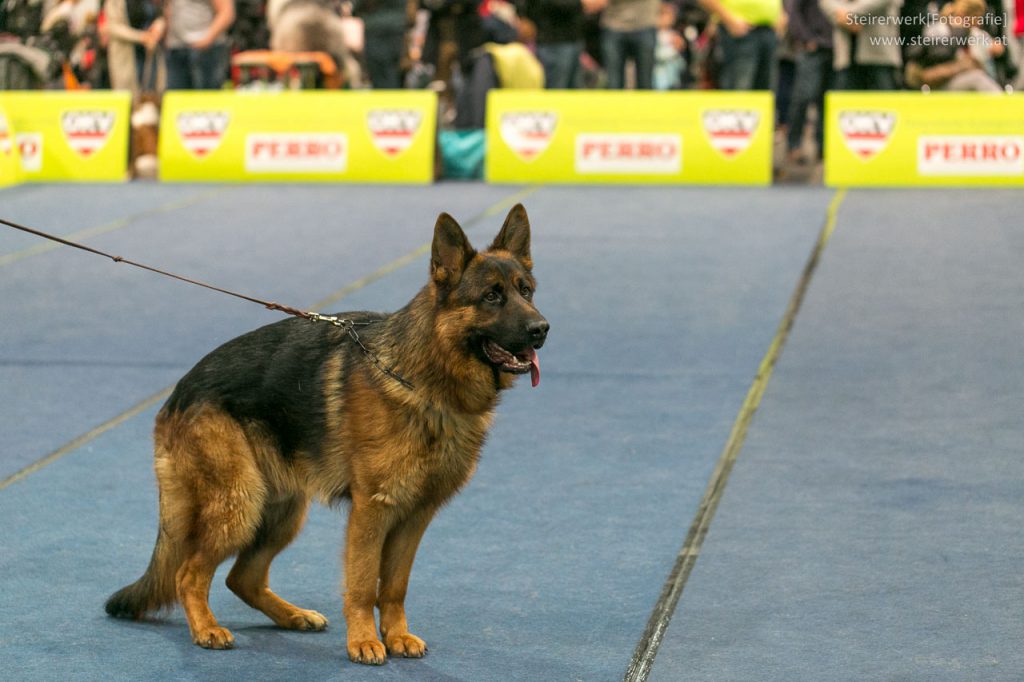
[(561, 62), (479, 78), (189, 69), (383, 55), (748, 62), (813, 77), (866, 77), (619, 46)]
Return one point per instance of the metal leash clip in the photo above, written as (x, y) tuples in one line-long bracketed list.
[(350, 328)]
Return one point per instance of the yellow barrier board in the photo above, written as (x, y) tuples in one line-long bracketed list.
[(10, 160), (76, 136), (916, 139), (382, 136), (630, 137)]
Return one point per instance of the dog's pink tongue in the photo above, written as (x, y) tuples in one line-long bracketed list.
[(534, 368)]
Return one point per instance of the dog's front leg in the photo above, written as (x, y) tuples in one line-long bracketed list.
[(396, 564), (368, 526)]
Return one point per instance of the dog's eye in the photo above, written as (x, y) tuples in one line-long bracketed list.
[(526, 291), (492, 297)]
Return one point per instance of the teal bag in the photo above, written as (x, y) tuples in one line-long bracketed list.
[(462, 154)]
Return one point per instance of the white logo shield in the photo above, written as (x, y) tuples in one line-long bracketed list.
[(87, 131), (528, 133), (730, 131), (866, 133), (393, 130), (202, 131)]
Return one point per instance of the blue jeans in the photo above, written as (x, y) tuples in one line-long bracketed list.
[(190, 69), (618, 46), (813, 77), (561, 63), (748, 62)]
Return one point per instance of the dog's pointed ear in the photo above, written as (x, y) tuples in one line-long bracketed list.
[(515, 236), (450, 252)]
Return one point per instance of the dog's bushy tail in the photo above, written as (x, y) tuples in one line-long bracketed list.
[(155, 590)]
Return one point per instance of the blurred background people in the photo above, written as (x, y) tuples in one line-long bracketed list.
[(454, 30), (865, 43), (669, 64), (748, 42), (957, 55), (318, 26), (197, 53), (133, 29), (811, 35), (385, 23), (629, 31), (559, 39)]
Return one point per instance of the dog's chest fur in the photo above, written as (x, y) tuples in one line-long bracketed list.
[(443, 451), (402, 453)]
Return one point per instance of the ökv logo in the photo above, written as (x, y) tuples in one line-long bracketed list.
[(87, 131), (866, 132), (30, 148), (731, 130), (528, 133), (5, 136), (202, 131), (393, 130)]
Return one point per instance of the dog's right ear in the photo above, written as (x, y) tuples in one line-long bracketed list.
[(450, 252)]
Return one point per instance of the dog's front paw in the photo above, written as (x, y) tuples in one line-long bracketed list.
[(368, 651), (214, 638), (406, 645)]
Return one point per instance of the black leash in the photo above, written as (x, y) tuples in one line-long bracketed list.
[(349, 326)]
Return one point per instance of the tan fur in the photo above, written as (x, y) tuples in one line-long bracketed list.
[(399, 454), (218, 480)]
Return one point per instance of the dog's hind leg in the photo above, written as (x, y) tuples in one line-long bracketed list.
[(218, 487), (194, 578), (249, 577)]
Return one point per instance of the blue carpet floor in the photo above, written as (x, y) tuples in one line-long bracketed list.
[(873, 527), (662, 302)]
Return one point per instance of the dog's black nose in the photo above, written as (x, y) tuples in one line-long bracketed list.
[(538, 331)]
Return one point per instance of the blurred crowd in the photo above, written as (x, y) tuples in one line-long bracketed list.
[(797, 48)]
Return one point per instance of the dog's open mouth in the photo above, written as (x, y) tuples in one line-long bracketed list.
[(519, 363)]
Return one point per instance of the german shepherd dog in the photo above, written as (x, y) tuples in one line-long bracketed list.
[(297, 410)]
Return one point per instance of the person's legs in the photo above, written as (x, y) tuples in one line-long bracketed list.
[(471, 107), (843, 79), (800, 98), (561, 64), (644, 43), (179, 69), (879, 77), (383, 55), (767, 63), (826, 78), (808, 87), (739, 62), (211, 67), (613, 50)]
